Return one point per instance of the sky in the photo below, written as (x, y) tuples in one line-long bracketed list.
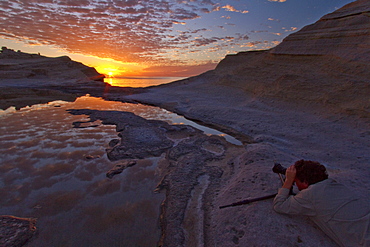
[(153, 38)]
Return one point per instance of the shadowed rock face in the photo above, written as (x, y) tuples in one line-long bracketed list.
[(29, 79), (19, 65)]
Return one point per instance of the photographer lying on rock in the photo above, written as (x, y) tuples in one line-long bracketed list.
[(333, 207)]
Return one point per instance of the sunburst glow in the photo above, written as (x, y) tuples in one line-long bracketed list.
[(109, 71)]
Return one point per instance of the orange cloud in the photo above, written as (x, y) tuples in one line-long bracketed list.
[(140, 34)]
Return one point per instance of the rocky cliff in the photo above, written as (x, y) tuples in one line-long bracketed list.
[(324, 63), (20, 65), (28, 79)]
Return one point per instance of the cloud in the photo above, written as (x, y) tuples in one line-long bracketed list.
[(130, 31), (205, 41), (291, 29), (123, 30), (279, 1), (230, 8)]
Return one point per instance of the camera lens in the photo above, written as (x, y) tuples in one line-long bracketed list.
[(278, 168)]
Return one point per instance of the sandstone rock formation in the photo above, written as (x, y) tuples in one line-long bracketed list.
[(344, 33), (324, 63)]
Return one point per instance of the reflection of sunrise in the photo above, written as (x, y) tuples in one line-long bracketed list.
[(145, 38)]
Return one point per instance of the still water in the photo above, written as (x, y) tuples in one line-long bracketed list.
[(56, 173), (139, 81)]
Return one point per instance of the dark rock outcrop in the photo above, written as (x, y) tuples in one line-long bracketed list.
[(19, 65), (15, 231)]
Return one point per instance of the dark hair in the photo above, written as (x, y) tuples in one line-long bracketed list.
[(310, 172)]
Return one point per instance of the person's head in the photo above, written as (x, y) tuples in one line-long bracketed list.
[(309, 172)]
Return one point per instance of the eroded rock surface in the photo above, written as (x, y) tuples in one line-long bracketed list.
[(184, 212), (192, 167)]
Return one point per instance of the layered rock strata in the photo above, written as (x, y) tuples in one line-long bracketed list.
[(344, 33), (325, 63)]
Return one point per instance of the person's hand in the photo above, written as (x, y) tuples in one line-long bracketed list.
[(290, 173), (289, 177)]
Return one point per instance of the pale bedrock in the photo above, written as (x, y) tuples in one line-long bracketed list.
[(188, 163), (324, 65)]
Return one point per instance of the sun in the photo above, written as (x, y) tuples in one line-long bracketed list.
[(108, 71)]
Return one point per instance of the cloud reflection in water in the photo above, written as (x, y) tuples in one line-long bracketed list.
[(56, 173), (44, 173)]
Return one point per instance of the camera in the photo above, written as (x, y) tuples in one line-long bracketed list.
[(278, 168)]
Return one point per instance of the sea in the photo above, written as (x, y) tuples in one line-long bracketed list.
[(140, 81)]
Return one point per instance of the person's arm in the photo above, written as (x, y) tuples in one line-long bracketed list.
[(288, 204)]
